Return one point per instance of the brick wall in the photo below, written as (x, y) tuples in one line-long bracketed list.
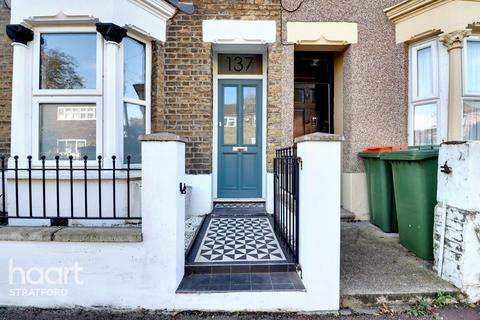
[(188, 78), (6, 61), (158, 89)]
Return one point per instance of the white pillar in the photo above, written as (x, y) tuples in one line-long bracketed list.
[(454, 43), (457, 217), (21, 107), (112, 104), (319, 220), (112, 92), (163, 207)]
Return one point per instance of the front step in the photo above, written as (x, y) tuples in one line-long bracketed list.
[(197, 268), (252, 282), (244, 207)]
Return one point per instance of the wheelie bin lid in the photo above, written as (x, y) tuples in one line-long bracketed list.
[(374, 152), (412, 154)]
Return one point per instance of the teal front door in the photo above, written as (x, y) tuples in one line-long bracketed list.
[(240, 139)]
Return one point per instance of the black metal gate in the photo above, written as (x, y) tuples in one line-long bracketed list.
[(286, 167)]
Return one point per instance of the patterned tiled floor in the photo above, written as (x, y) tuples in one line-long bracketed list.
[(246, 239)]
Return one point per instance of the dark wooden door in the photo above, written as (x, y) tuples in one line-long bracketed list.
[(312, 108)]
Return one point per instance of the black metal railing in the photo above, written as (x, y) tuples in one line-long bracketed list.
[(286, 167), (81, 189)]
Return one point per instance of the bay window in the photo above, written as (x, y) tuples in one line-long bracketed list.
[(134, 99), (68, 94), (426, 98), (471, 89)]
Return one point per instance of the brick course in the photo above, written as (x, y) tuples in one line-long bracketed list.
[(6, 64)]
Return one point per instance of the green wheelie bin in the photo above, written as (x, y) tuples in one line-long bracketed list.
[(415, 188), (381, 200)]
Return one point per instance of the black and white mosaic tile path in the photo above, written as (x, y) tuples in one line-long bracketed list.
[(245, 239)]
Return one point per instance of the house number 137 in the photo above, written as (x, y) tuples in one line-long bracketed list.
[(239, 64)]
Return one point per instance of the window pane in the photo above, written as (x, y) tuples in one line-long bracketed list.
[(68, 61), (230, 115), (249, 115), (134, 69), (471, 120), (64, 133), (425, 124), (133, 127), (473, 66), (424, 72)]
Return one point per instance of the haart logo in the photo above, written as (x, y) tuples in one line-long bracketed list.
[(43, 281)]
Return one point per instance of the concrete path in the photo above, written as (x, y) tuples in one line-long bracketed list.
[(374, 263)]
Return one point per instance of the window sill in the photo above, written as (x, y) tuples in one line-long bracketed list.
[(71, 234)]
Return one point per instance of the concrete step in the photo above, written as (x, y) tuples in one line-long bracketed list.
[(397, 302), (234, 282)]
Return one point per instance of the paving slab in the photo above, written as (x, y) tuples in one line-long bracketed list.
[(374, 263)]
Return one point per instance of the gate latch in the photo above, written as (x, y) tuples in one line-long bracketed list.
[(445, 168), (183, 188)]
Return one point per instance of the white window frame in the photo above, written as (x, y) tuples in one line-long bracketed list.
[(148, 94), (440, 87), (467, 95), (66, 96), (414, 69), (37, 101), (465, 91), (67, 92), (87, 96)]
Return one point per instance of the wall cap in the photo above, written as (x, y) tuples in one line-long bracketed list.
[(162, 136), (71, 234), (320, 136)]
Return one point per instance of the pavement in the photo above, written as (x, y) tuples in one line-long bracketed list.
[(449, 313), (376, 268)]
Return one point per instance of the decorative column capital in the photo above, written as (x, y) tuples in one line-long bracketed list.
[(19, 34), (111, 32), (454, 40)]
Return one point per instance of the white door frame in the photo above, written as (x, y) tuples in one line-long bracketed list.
[(243, 49)]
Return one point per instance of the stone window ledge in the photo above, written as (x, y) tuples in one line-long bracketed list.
[(71, 234)]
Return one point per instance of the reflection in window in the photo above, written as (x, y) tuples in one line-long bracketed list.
[(134, 69), (68, 60), (425, 124), (424, 72), (249, 115), (74, 113), (230, 115), (66, 137), (473, 66), (471, 120), (134, 126)]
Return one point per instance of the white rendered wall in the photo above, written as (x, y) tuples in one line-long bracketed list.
[(457, 218), (120, 12), (269, 198), (202, 193), (320, 219), (146, 274), (355, 194)]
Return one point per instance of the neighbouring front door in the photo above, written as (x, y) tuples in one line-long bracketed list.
[(240, 139)]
